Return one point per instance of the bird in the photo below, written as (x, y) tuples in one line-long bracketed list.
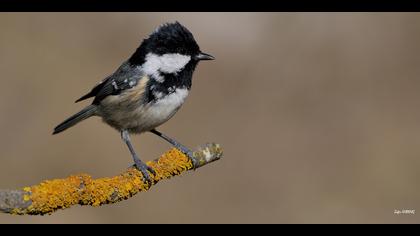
[(146, 90)]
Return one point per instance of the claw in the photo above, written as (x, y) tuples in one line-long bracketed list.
[(143, 168), (190, 156)]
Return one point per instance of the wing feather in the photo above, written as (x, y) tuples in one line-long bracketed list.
[(124, 78)]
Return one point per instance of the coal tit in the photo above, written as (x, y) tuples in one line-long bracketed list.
[(147, 89)]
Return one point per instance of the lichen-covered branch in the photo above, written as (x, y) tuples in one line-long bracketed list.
[(50, 195)]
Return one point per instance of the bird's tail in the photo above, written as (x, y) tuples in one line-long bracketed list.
[(76, 118)]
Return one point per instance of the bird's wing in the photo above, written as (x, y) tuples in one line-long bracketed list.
[(95, 90), (124, 78)]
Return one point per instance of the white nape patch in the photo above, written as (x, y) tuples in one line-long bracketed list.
[(167, 63)]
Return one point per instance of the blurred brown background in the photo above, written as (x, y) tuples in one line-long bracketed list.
[(318, 114)]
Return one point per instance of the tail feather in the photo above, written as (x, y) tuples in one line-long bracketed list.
[(76, 118)]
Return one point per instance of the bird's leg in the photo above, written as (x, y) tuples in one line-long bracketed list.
[(178, 146), (141, 166)]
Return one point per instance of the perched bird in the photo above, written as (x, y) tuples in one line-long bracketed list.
[(147, 89)]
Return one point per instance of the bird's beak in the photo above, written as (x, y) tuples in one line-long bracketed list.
[(204, 56)]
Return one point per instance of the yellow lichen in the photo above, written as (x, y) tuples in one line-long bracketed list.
[(26, 198), (81, 189)]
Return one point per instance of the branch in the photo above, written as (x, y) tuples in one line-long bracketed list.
[(81, 189)]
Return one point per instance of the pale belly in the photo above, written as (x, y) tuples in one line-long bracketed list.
[(137, 118)]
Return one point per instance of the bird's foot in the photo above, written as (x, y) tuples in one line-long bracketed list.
[(145, 169), (178, 146), (189, 154)]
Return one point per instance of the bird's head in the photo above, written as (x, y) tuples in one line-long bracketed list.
[(168, 49)]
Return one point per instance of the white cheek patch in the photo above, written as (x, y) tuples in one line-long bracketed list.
[(167, 63)]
